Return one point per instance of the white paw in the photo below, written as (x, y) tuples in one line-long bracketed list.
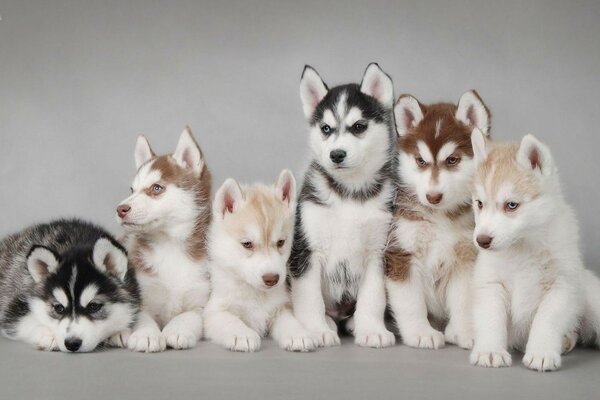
[(147, 341), (569, 342), (428, 339), (462, 339), (243, 341), (378, 339), (302, 342), (543, 361), (180, 340), (490, 359), (46, 341), (327, 338), (119, 339)]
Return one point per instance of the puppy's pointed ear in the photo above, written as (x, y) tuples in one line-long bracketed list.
[(312, 90), (286, 187), (472, 112), (41, 262), (408, 112), (110, 257), (227, 198), (188, 154), (479, 145), (378, 84), (143, 152), (535, 155)]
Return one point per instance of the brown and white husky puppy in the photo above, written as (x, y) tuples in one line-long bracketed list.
[(430, 255), (249, 244), (166, 220)]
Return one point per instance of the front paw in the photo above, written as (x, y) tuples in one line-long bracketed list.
[(490, 359), (327, 338), (46, 341), (301, 342), (243, 341), (461, 338), (119, 339), (569, 342), (377, 339), (180, 340), (542, 361), (429, 338), (147, 341)]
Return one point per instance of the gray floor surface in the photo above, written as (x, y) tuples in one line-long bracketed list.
[(346, 372)]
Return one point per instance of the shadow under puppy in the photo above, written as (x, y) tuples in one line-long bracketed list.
[(66, 286), (249, 245)]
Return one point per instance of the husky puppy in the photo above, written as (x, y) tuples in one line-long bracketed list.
[(66, 286), (430, 255), (249, 244), (532, 290), (345, 208), (166, 219)]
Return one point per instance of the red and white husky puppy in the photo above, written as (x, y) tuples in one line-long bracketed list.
[(430, 255), (532, 292), (166, 220), (249, 244)]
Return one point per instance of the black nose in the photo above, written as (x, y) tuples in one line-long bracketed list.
[(337, 156), (484, 241), (73, 344)]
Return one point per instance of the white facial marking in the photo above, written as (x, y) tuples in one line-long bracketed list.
[(340, 107), (88, 295), (425, 152), (72, 281), (329, 118), (446, 150), (61, 297), (353, 115), (438, 127)]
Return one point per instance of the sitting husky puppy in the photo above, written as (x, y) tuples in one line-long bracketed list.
[(66, 286), (249, 244), (532, 291), (166, 219), (345, 208), (430, 257)]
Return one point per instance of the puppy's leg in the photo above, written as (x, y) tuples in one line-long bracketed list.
[(228, 330), (119, 339), (290, 334), (459, 330), (408, 305), (369, 326), (146, 336), (490, 315), (308, 304), (556, 316), (184, 330), (29, 330)]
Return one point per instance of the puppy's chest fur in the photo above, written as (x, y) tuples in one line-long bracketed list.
[(345, 234), (172, 281), (435, 244)]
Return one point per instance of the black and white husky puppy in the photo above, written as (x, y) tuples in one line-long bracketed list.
[(345, 208), (66, 286)]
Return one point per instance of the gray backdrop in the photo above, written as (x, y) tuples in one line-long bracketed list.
[(79, 80)]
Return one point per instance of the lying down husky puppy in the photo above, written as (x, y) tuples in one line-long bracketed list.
[(66, 285)]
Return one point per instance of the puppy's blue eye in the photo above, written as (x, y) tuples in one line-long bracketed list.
[(156, 188), (511, 206), (326, 129), (59, 308)]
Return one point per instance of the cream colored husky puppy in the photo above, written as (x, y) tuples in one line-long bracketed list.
[(249, 244), (532, 292)]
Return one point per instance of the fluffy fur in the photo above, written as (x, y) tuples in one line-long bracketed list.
[(345, 208), (250, 242), (532, 291), (430, 256), (166, 219), (66, 286)]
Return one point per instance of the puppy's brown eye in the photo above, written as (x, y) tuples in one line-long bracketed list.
[(479, 204), (280, 243), (94, 307), (247, 245), (59, 308), (452, 160), (420, 161), (156, 189)]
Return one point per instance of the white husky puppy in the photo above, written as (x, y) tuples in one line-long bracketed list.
[(166, 219), (532, 291), (249, 244)]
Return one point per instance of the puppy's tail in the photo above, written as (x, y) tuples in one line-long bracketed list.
[(590, 332)]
